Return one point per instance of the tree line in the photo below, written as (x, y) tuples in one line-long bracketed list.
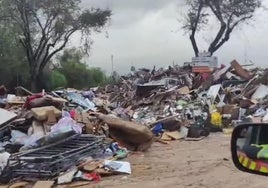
[(34, 32), (34, 35)]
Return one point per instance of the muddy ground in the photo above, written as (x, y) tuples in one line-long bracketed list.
[(201, 164), (205, 163)]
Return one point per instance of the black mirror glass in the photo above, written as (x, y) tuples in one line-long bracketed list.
[(250, 148)]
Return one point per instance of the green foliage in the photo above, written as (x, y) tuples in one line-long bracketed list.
[(79, 75), (14, 68), (97, 77), (132, 68), (46, 27), (57, 80)]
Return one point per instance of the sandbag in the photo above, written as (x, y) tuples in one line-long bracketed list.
[(132, 135), (41, 113), (46, 101)]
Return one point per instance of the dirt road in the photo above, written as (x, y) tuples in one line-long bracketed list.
[(205, 163)]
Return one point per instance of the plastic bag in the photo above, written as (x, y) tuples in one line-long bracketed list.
[(67, 123), (18, 137), (216, 119)]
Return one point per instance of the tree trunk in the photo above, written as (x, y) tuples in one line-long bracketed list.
[(33, 86), (212, 51), (33, 81), (194, 45), (217, 39)]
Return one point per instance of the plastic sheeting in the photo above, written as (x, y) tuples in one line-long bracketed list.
[(67, 124), (3, 160), (80, 100)]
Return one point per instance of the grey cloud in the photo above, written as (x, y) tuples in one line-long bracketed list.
[(142, 34), (138, 5), (127, 12)]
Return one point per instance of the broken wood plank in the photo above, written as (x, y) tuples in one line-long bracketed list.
[(165, 137), (162, 120), (43, 184), (19, 185), (175, 135), (240, 71), (162, 141), (194, 139)]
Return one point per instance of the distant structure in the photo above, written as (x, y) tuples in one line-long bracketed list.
[(204, 63)]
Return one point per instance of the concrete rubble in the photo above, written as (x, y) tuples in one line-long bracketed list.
[(68, 135)]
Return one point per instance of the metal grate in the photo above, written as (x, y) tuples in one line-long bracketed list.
[(49, 161)]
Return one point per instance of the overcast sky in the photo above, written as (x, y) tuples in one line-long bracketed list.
[(145, 33)]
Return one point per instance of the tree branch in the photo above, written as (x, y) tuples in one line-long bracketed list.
[(194, 28), (241, 20), (48, 56), (222, 29), (46, 30), (27, 34), (230, 29), (216, 11), (218, 37)]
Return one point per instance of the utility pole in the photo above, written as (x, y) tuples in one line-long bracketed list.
[(112, 62)]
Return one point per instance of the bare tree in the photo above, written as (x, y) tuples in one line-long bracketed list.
[(228, 13), (46, 27)]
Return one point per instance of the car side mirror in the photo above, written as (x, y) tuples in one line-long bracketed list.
[(249, 147)]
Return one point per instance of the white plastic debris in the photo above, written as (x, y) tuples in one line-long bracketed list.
[(265, 118), (67, 177), (260, 93), (3, 160)]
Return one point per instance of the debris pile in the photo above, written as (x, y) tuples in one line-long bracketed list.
[(67, 135), (63, 136)]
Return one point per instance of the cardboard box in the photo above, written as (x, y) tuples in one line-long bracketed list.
[(229, 109)]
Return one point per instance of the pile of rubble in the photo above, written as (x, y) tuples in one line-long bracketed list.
[(64, 136), (67, 135), (194, 104)]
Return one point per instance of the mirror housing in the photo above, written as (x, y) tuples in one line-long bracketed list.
[(249, 148)]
